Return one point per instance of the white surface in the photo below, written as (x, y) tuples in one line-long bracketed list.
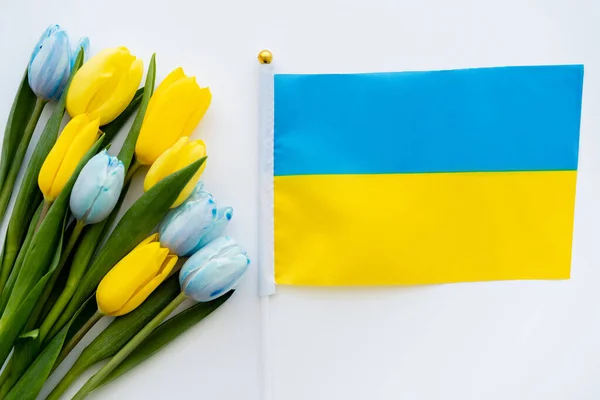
[(510, 340)]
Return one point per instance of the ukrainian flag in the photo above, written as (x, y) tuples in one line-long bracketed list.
[(425, 177)]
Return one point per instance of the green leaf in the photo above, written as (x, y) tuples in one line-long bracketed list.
[(25, 352), (36, 264), (30, 335), (111, 129), (31, 383), (119, 332), (20, 113), (12, 325), (19, 262), (136, 225), (29, 195), (17, 161), (128, 149), (166, 333)]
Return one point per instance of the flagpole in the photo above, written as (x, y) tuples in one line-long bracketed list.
[(266, 281)]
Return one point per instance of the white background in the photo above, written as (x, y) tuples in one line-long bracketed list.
[(508, 340)]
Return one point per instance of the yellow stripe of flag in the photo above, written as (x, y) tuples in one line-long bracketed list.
[(415, 229)]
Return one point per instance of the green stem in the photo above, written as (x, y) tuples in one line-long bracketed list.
[(135, 165), (77, 338), (11, 250), (118, 358), (5, 374), (65, 383), (75, 275), (15, 268), (41, 303), (8, 384), (45, 207), (16, 162)]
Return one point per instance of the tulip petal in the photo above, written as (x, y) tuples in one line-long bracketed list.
[(176, 231), (54, 159), (164, 165), (213, 270), (50, 31), (50, 64), (84, 43), (105, 84), (191, 152), (88, 185), (121, 94), (79, 96), (216, 229), (109, 195), (169, 116), (80, 145), (203, 100), (126, 278), (97, 188), (149, 239), (204, 255), (173, 76), (216, 279), (142, 294)]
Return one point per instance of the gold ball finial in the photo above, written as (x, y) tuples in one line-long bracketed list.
[(265, 57)]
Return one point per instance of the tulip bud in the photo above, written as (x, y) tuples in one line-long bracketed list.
[(182, 154), (84, 43), (194, 224), (97, 188), (134, 278), (174, 111), (76, 139), (213, 270), (51, 63), (105, 84)]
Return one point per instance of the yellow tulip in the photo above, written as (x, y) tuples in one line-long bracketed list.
[(174, 111), (134, 278), (182, 154), (76, 139), (105, 84)]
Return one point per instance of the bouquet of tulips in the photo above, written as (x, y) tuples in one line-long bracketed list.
[(67, 261)]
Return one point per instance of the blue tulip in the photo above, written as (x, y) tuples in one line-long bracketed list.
[(97, 188), (84, 43), (51, 63), (194, 224), (213, 270)]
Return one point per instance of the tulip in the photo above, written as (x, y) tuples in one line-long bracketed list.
[(194, 224), (76, 139), (105, 84), (174, 111), (97, 188), (83, 44), (134, 278), (213, 270), (210, 273), (182, 154), (51, 63)]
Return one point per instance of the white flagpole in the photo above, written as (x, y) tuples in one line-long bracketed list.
[(266, 279)]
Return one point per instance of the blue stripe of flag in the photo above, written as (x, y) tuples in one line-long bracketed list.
[(485, 119)]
